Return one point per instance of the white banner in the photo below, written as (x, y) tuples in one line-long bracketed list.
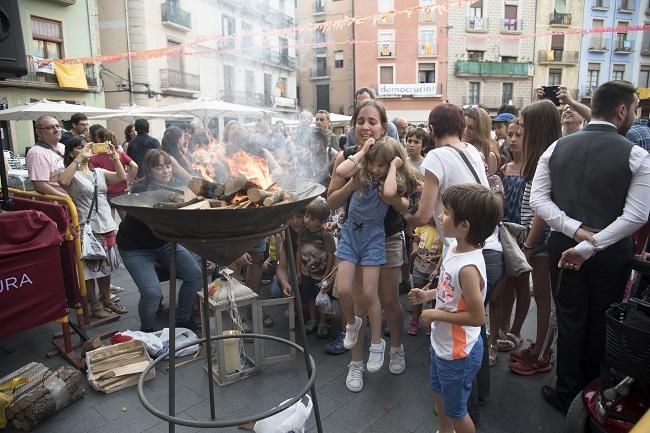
[(420, 89), (46, 68)]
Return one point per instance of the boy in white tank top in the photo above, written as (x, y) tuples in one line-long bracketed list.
[(470, 214)]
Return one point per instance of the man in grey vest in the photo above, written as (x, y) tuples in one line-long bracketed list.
[(593, 189)]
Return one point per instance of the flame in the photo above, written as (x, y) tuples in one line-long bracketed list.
[(254, 168)]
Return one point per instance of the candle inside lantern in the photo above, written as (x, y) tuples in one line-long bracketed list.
[(231, 352)]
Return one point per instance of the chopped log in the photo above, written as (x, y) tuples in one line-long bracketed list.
[(165, 205), (92, 344), (257, 195), (203, 204), (200, 186), (277, 197), (188, 194), (214, 203), (234, 184)]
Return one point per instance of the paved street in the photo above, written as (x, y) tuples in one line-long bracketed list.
[(392, 404)]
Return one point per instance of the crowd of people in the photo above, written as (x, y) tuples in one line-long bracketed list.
[(409, 209)]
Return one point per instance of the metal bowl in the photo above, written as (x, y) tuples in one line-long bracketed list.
[(220, 235)]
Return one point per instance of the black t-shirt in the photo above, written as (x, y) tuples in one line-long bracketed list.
[(393, 221), (134, 234), (138, 148)]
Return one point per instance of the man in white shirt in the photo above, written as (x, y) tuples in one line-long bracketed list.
[(593, 189), (45, 159)]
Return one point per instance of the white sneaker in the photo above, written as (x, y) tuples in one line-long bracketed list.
[(352, 332), (354, 380), (376, 357), (397, 360)]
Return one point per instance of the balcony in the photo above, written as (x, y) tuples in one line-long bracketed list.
[(545, 57), (600, 5), (281, 102), (319, 7), (560, 19), (427, 15), (465, 68), (477, 24), (598, 44), (587, 91), (233, 4), (427, 48), (179, 81), (175, 17), (320, 73), (626, 6), (494, 102), (624, 46), (45, 80), (275, 17), (512, 25), (280, 59)]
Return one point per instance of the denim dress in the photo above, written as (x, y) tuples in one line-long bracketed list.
[(513, 193), (362, 238)]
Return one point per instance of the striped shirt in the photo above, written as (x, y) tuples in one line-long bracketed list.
[(527, 212)]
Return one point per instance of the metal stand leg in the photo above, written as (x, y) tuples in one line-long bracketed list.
[(301, 323), (206, 332), (172, 335)]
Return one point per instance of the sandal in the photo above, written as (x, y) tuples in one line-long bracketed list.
[(492, 355), (101, 313), (115, 308), (509, 342)]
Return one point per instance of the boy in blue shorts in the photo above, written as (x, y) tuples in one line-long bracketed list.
[(470, 214)]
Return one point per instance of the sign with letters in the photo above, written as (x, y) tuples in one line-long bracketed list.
[(418, 89)]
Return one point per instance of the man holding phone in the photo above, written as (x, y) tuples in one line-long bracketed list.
[(560, 95)]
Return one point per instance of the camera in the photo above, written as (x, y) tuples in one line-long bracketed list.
[(101, 147), (550, 92)]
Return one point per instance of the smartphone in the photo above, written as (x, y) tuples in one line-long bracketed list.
[(550, 92), (101, 147)]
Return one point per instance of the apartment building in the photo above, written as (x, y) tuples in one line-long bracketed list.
[(235, 59), (611, 55), (51, 30), (643, 81), (490, 62), (408, 63), (325, 57)]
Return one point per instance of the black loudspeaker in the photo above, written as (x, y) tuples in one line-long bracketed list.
[(13, 61)]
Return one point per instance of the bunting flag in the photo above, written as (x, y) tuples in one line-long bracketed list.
[(197, 47), (72, 76)]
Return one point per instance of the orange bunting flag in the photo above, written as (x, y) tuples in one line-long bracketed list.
[(71, 75)]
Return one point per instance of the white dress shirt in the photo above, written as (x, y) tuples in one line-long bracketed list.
[(635, 211)]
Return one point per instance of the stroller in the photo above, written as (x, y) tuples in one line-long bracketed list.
[(615, 402)]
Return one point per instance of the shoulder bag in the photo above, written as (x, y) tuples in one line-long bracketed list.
[(91, 248)]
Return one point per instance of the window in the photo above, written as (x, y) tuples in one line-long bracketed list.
[(597, 37), (507, 92), (593, 73), (508, 59), (622, 43), (338, 59), (281, 86), (474, 96), (427, 13), (319, 36), (386, 43), (427, 73), (618, 72), (554, 77), (510, 18), (323, 97), (476, 9), (283, 44), (247, 39), (319, 6), (228, 29), (47, 38), (557, 46), (321, 66), (175, 63), (228, 81), (627, 5), (386, 74), (475, 56), (644, 76), (250, 83), (427, 42), (385, 6)]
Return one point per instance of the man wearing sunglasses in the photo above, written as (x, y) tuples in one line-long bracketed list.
[(45, 159)]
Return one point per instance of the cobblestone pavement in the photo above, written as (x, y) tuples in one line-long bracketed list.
[(388, 403)]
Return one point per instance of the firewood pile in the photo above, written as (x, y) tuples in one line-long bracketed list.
[(237, 192), (45, 393), (118, 366)]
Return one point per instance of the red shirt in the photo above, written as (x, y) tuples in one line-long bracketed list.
[(102, 160)]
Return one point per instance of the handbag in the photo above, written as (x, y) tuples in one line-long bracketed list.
[(91, 248), (514, 259)]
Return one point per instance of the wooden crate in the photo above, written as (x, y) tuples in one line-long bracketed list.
[(119, 358)]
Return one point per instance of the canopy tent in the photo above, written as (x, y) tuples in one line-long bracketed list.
[(44, 107), (133, 112), (206, 109), (340, 119)]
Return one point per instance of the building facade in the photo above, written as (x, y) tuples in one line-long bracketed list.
[(52, 30), (407, 66), (643, 65), (325, 57), (610, 55), (490, 63), (223, 58)]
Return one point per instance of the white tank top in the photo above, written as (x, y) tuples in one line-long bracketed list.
[(455, 341)]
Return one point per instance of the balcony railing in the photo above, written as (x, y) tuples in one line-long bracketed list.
[(624, 46), (558, 56), (34, 78), (512, 25), (477, 24), (279, 59), (175, 79), (587, 91), (172, 13), (598, 43), (427, 48), (277, 18), (494, 102), (283, 102), (491, 69), (320, 72), (600, 4), (560, 19)]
